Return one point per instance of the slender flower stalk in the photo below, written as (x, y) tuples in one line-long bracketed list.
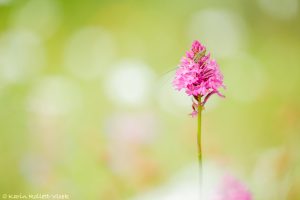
[(200, 77), (199, 134), (199, 143)]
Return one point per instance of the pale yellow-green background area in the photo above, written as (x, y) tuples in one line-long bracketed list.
[(87, 107)]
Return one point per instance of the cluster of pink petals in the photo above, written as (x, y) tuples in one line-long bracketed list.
[(198, 75), (232, 189)]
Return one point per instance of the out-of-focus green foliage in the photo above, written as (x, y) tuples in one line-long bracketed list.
[(87, 107)]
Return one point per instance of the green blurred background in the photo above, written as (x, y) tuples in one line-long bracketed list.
[(87, 107)]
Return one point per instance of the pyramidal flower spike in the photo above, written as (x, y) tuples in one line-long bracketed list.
[(200, 77)]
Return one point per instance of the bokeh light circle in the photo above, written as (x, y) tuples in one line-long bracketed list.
[(129, 83), (22, 55), (88, 52), (279, 9), (41, 17), (224, 32), (245, 78), (55, 95), (168, 98)]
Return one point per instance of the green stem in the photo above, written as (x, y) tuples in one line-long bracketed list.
[(199, 144), (199, 133)]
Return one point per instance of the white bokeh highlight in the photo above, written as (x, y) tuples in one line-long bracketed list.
[(186, 184), (41, 17), (176, 103), (267, 172), (22, 55), (88, 52), (223, 31), (279, 9), (132, 127), (55, 95), (129, 83), (4, 2), (246, 77)]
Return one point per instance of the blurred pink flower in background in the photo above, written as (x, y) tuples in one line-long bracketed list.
[(129, 136), (231, 189), (198, 75)]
